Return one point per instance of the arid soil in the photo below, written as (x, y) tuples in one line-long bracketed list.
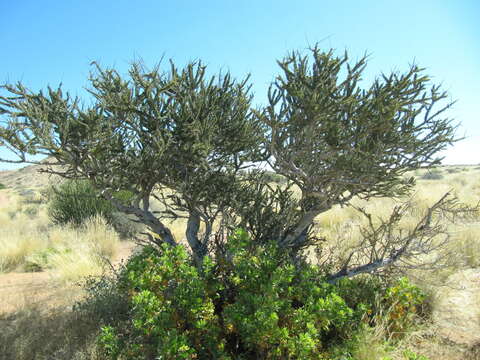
[(19, 290), (457, 313), (3, 198)]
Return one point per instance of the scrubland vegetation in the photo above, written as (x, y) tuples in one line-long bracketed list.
[(392, 327), (30, 242), (336, 253)]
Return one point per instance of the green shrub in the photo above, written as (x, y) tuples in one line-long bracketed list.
[(453, 170), (39, 261), (271, 176), (75, 201), (250, 304), (404, 301), (31, 211), (2, 186), (124, 226), (104, 301), (433, 174)]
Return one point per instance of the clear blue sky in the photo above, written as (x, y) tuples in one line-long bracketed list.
[(48, 42)]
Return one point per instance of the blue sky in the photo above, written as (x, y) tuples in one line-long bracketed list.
[(48, 42)]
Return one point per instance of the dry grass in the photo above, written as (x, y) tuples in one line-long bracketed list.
[(29, 242), (20, 233)]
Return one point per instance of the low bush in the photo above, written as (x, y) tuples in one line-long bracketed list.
[(2, 186), (104, 301), (33, 333), (270, 176), (404, 301), (253, 303), (453, 170), (73, 202), (432, 175), (124, 225), (40, 260)]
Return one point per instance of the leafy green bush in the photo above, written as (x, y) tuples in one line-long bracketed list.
[(31, 211), (411, 355), (270, 176), (75, 201), (124, 226), (39, 261), (2, 186), (250, 303), (403, 300), (453, 170)]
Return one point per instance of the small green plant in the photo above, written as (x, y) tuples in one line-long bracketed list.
[(39, 261), (411, 355), (403, 301), (275, 178), (31, 211), (104, 301), (2, 186), (433, 174), (453, 170)]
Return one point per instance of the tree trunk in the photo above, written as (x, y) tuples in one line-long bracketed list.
[(198, 249), (147, 218), (296, 237)]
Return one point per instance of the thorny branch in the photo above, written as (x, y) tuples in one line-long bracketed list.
[(384, 246)]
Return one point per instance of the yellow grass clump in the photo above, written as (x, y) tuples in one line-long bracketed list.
[(84, 251), (29, 242)]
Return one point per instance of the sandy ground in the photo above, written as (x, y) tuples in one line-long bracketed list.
[(3, 198), (457, 313), (20, 290)]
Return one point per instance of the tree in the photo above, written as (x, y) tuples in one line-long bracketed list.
[(176, 136), (335, 140), (188, 141)]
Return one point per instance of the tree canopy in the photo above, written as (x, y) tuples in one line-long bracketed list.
[(196, 144)]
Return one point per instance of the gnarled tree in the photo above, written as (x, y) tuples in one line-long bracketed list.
[(186, 140), (336, 140)]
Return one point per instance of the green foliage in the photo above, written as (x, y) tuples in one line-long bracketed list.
[(31, 211), (75, 201), (273, 177), (433, 174), (403, 301), (40, 260), (185, 138), (104, 300), (124, 226), (411, 355), (2, 186), (252, 303)]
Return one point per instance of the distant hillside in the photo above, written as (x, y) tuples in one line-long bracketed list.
[(27, 177)]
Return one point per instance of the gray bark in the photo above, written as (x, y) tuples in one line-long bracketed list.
[(193, 227)]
